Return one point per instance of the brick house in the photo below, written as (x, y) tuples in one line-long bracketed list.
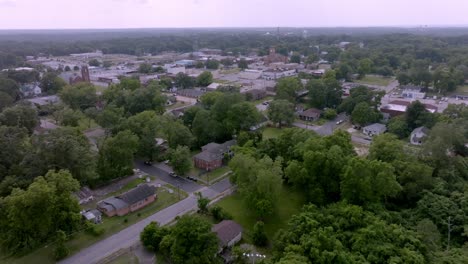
[(212, 155), (310, 114), (128, 202)]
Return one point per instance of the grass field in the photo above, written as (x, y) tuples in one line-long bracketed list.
[(462, 90), (290, 202), (176, 105), (375, 80), (111, 225), (271, 132), (127, 258)]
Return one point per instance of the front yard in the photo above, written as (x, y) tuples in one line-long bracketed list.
[(109, 225), (289, 203), (271, 132), (375, 80)]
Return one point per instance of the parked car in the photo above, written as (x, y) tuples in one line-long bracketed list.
[(166, 162), (149, 163), (339, 122), (173, 174)]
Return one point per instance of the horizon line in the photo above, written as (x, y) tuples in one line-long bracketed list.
[(248, 27)]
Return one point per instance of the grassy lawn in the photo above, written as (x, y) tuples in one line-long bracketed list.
[(176, 105), (215, 174), (462, 90), (375, 80), (127, 258), (220, 81), (290, 202), (87, 123), (271, 132), (230, 71), (111, 225), (268, 98)]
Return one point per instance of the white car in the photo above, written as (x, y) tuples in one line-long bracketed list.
[(339, 122)]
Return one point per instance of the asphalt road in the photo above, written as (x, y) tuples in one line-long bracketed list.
[(184, 184), (131, 234)]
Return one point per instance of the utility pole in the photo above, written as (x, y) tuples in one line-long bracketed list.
[(178, 191), (448, 238)]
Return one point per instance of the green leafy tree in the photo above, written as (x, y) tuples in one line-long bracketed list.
[(281, 112), (210, 98), (15, 145), (363, 114), (259, 237), (146, 125), (324, 93), (178, 135), (129, 83), (179, 159), (386, 148), (295, 58), (49, 202), (342, 233), (212, 64), (116, 156), (398, 126), (51, 83), (184, 81), (111, 117), (62, 148), (365, 182), (94, 62), (416, 115), (70, 117), (202, 203), (61, 250), (287, 89), (243, 64), (365, 67), (152, 235), (330, 113), (190, 241), (5, 100), (80, 96), (258, 181), (10, 87), (204, 79), (20, 116), (242, 116), (145, 68)]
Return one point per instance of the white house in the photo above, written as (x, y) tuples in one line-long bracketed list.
[(418, 135), (374, 129), (274, 74)]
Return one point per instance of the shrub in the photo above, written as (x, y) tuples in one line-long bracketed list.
[(219, 213), (259, 236)]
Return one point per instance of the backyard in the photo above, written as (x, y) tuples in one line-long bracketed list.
[(289, 203), (109, 225), (271, 132), (375, 80)]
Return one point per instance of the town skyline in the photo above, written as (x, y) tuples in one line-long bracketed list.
[(142, 14)]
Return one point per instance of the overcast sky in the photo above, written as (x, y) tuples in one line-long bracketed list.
[(48, 14)]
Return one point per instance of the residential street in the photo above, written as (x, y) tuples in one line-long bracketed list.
[(131, 234), (182, 183)]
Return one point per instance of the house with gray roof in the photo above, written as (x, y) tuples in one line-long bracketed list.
[(128, 202), (228, 233), (374, 129), (212, 155), (418, 135)]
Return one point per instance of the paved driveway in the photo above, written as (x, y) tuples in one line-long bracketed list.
[(163, 174), (130, 235)]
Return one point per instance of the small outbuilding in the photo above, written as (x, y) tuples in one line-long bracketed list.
[(374, 129), (418, 135)]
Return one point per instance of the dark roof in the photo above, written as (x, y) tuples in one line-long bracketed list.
[(226, 231), (311, 112), (400, 102), (214, 151), (112, 203), (137, 194)]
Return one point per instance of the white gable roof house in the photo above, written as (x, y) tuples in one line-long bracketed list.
[(418, 135), (374, 129)]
